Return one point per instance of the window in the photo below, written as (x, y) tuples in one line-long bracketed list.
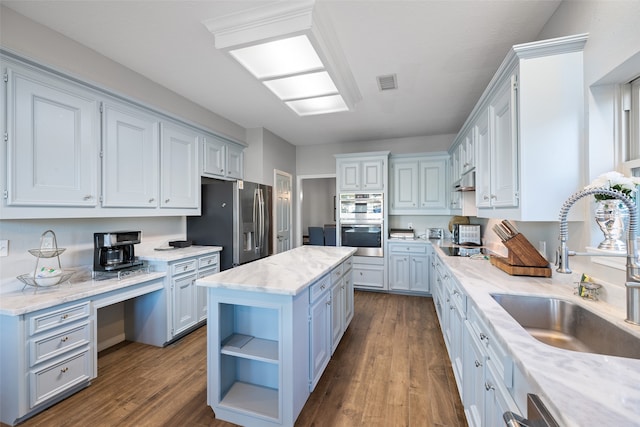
[(631, 108)]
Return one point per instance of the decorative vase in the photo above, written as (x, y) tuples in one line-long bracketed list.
[(612, 216)]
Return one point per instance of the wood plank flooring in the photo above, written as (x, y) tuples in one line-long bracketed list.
[(390, 369)]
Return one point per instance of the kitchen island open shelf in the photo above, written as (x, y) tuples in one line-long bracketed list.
[(260, 333)]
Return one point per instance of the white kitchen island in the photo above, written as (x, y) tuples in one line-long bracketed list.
[(272, 325)]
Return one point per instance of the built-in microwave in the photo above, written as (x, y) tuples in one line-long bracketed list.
[(361, 206)]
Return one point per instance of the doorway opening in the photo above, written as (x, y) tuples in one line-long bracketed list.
[(315, 204)]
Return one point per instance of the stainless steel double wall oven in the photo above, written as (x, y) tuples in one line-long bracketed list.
[(361, 222)]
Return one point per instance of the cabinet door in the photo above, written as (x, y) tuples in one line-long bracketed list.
[(130, 157), (433, 184), (404, 186), (53, 142), (320, 337), (179, 159), (372, 175), (184, 303), (349, 175), (474, 379), (337, 314), (399, 277), (469, 151), (214, 155), (483, 161), (497, 399), (419, 266), (235, 161), (503, 139)]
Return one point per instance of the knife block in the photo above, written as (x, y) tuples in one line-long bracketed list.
[(523, 259)]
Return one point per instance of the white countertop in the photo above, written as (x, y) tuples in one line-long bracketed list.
[(176, 254), (580, 389), (286, 273), (79, 287)]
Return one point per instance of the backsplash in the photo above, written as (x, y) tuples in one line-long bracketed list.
[(76, 236)]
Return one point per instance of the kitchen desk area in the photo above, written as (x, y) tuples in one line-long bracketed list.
[(49, 337), (273, 325)]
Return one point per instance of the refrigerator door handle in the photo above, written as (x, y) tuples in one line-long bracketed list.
[(261, 220)]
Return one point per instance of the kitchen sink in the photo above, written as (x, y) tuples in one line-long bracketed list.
[(569, 326)]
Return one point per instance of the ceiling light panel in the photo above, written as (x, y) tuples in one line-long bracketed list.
[(283, 57), (302, 86), (320, 105)]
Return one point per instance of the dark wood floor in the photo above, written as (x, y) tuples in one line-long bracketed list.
[(390, 369)]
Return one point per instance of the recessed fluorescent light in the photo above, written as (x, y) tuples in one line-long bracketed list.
[(320, 105), (302, 86), (283, 57)]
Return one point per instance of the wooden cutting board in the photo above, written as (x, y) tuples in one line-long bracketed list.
[(518, 270)]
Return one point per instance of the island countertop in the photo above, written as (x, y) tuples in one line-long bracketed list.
[(286, 273)]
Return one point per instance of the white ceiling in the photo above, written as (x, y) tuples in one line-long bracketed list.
[(443, 52)]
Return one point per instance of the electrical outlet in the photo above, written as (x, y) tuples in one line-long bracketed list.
[(4, 248), (410, 226)]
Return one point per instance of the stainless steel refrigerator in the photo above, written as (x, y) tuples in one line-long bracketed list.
[(237, 216)]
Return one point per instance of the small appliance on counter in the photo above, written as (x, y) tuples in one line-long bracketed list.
[(435, 233), (114, 251), (467, 234), (402, 233)]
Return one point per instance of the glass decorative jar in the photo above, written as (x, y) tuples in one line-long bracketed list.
[(612, 216)]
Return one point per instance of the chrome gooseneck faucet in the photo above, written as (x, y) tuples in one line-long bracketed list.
[(633, 269)]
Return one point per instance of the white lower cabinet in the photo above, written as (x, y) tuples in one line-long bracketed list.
[(320, 330), (186, 304), (369, 273), (45, 356), (409, 267), (483, 370)]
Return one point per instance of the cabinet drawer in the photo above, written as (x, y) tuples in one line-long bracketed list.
[(184, 267), (208, 261), (49, 346), (207, 272), (319, 288), (408, 249), (369, 276), (346, 266), (54, 379), (44, 321), (336, 274)]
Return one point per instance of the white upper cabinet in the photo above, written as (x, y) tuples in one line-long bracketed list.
[(500, 185), (418, 184), (366, 173), (130, 153), (528, 158), (180, 181), (53, 133), (222, 159)]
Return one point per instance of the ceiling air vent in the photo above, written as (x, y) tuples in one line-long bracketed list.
[(388, 82)]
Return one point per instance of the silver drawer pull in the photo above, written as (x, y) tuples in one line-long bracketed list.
[(63, 370), (478, 363), (65, 339), (151, 200), (64, 317), (483, 337), (166, 200), (88, 197), (488, 386)]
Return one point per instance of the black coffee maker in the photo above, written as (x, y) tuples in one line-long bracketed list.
[(114, 250)]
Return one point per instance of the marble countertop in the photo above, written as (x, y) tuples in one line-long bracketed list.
[(580, 389), (176, 254), (80, 286), (286, 273)]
